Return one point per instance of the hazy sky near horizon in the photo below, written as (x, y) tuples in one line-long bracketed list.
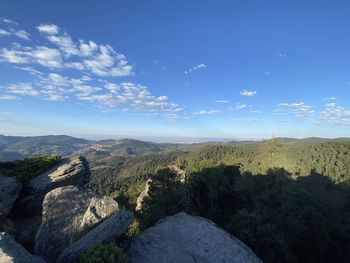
[(238, 69)]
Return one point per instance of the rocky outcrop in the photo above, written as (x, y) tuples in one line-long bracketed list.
[(108, 231), (144, 194), (186, 239), (12, 252), (9, 190), (69, 171), (68, 213)]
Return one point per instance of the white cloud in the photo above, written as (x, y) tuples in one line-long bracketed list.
[(256, 111), (4, 32), (335, 114), (299, 109), (101, 60), (222, 101), (247, 93), (64, 43), (241, 120), (48, 57), (206, 112), (7, 97), (25, 89), (48, 29), (13, 56), (84, 56), (8, 21), (87, 49), (22, 34), (330, 98), (106, 62), (18, 33), (199, 66), (239, 106), (42, 55)]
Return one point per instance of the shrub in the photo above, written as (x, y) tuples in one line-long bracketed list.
[(109, 253)]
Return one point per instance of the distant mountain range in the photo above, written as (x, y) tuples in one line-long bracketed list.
[(17, 147)]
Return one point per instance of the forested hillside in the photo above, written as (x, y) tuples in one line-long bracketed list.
[(288, 201)]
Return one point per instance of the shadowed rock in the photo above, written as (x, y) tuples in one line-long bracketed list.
[(108, 231), (188, 239), (68, 212), (12, 252), (9, 190), (69, 171)]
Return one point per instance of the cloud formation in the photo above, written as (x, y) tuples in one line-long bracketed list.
[(247, 93), (239, 106), (335, 114), (299, 109), (199, 66), (64, 52), (49, 62), (206, 112)]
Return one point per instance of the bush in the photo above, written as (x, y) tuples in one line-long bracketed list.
[(109, 253), (28, 168)]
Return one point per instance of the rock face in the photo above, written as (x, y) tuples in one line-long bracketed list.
[(69, 171), (69, 212), (9, 190), (143, 195), (186, 239), (12, 252), (108, 231)]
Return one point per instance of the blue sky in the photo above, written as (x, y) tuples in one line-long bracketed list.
[(213, 69)]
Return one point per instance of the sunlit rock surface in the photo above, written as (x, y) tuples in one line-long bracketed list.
[(188, 239), (69, 171), (12, 252), (68, 213), (108, 231)]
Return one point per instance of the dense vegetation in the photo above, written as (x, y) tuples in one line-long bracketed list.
[(288, 200), (279, 218), (28, 168), (109, 253), (124, 178)]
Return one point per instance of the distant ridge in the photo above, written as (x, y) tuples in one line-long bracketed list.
[(19, 147)]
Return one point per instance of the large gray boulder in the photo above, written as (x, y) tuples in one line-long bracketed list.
[(9, 190), (12, 252), (68, 213), (188, 239), (69, 171), (108, 231)]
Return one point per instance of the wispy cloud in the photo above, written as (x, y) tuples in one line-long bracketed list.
[(8, 21), (8, 97), (87, 56), (330, 98), (335, 114), (222, 101), (25, 89), (206, 112), (248, 93), (241, 120), (4, 32), (239, 106), (299, 109), (199, 66)]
